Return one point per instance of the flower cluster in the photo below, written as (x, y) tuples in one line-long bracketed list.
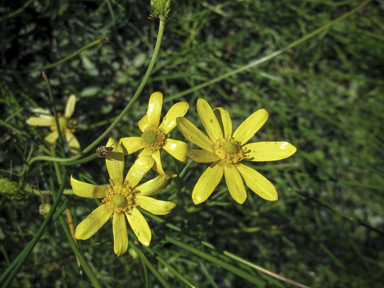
[(225, 149)]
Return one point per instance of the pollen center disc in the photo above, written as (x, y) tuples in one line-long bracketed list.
[(119, 200)]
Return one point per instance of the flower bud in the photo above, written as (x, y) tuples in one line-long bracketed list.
[(8, 188), (44, 209), (162, 7)]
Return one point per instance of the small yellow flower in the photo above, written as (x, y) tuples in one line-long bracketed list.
[(227, 151), (67, 125), (154, 137), (121, 199)]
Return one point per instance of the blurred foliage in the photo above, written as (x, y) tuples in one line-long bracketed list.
[(324, 96)]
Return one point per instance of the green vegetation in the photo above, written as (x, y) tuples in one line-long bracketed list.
[(324, 94)]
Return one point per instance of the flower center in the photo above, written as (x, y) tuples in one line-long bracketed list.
[(66, 124), (229, 150), (153, 138), (121, 198)]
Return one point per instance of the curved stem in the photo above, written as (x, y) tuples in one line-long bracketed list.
[(149, 265), (126, 109), (13, 264), (14, 13), (84, 160), (58, 62), (25, 253), (216, 261), (268, 57)]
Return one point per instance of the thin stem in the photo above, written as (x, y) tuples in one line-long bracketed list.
[(79, 256), (216, 261), (17, 259), (268, 57), (84, 160), (162, 261), (14, 13), (59, 62), (61, 140), (25, 253), (67, 211), (149, 265), (266, 271)]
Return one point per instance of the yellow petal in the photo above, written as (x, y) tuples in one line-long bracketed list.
[(115, 162), (86, 190), (193, 134), (120, 235), (169, 121), (224, 119), (154, 109), (250, 126), (93, 222), (132, 144), (73, 143), (51, 137), (268, 151), (157, 207), (42, 113), (153, 186), (209, 120), (141, 166), (202, 156), (145, 152), (39, 121), (257, 182), (235, 183), (207, 182), (140, 227), (70, 106), (158, 167), (177, 149), (143, 123)]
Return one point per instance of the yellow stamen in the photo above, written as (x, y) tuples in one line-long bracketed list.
[(121, 198), (150, 137), (66, 124), (153, 138), (229, 150)]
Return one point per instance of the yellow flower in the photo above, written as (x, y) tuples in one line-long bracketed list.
[(121, 198), (67, 125), (227, 151), (154, 137)]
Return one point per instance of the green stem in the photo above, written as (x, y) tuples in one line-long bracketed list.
[(25, 253), (10, 127), (216, 261), (306, 195), (268, 57), (56, 202), (149, 265), (14, 13), (126, 109), (59, 62), (162, 261), (84, 160), (68, 234), (266, 271), (166, 264), (78, 254), (61, 140), (13, 264)]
